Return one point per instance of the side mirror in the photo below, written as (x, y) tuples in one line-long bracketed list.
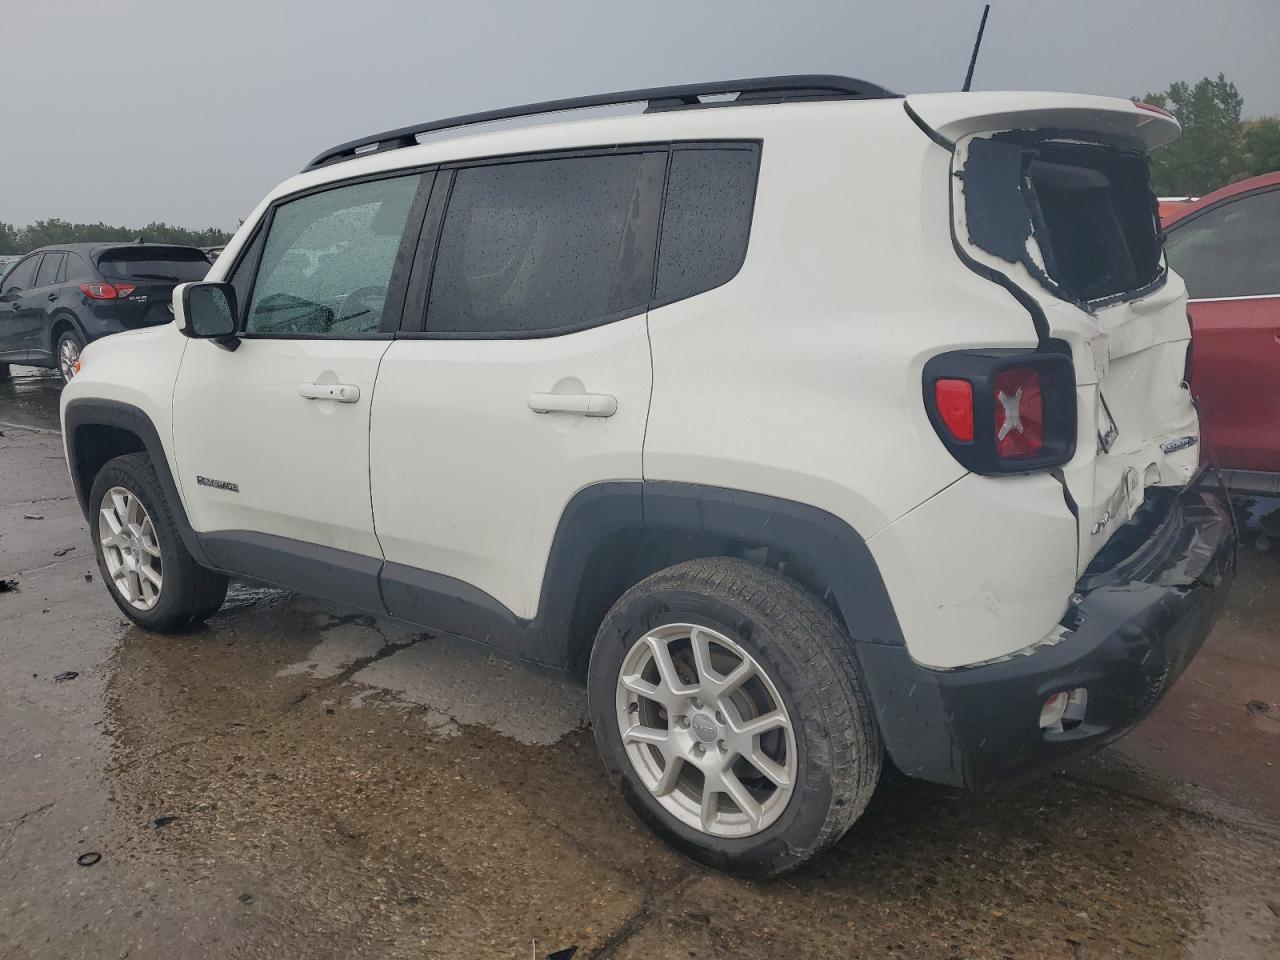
[(206, 311)]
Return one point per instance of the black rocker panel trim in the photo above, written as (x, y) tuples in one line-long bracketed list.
[(84, 414), (347, 578)]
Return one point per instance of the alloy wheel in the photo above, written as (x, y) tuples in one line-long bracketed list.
[(130, 548), (706, 730), (68, 356)]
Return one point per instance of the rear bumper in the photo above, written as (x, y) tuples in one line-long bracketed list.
[(1138, 616)]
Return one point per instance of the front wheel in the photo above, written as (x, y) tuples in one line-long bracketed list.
[(68, 353), (727, 708), (150, 573)]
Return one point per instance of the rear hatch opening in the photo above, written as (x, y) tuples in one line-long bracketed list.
[(1079, 216)]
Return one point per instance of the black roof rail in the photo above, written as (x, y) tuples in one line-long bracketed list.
[(754, 90)]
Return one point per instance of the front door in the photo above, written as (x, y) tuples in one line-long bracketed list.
[(272, 438), (530, 381), (1229, 256), (13, 327)]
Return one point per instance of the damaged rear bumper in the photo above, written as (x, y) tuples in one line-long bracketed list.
[(1138, 616)]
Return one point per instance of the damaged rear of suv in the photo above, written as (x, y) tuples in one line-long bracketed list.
[(1083, 448)]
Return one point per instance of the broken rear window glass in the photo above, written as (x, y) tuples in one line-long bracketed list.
[(1088, 208)]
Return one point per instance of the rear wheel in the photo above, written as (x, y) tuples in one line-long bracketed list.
[(147, 568), (4, 371), (729, 712), (67, 353)]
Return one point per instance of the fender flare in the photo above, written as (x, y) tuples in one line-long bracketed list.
[(89, 412)]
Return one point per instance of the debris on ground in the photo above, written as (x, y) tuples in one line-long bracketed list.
[(88, 859), (7, 585), (33, 516), (88, 578), (65, 675), (245, 898), (63, 552), (1258, 706), (161, 822)]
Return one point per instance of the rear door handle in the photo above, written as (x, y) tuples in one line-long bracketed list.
[(586, 404), (341, 392)]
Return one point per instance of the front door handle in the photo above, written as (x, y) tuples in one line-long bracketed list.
[(341, 392), (53, 296), (585, 404)]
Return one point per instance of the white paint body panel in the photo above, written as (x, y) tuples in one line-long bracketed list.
[(468, 481), (302, 465), (137, 367)]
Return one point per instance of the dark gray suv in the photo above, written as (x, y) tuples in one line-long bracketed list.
[(58, 298)]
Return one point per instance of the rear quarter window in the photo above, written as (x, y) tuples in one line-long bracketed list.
[(707, 219)]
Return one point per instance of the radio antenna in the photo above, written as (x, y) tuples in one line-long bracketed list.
[(973, 60)]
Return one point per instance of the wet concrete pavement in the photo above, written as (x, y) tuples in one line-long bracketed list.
[(344, 786)]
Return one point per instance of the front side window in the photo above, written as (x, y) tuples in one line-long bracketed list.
[(48, 271), (710, 196), (328, 258), (1231, 250), (541, 247), (22, 276)]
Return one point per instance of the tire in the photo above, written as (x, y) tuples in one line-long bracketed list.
[(66, 351), (187, 593), (4, 371), (826, 760)]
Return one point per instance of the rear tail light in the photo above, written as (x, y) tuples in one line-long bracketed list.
[(1004, 411), (954, 400), (1019, 414), (106, 291)]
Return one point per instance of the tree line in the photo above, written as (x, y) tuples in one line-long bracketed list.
[(15, 239), (1216, 146)]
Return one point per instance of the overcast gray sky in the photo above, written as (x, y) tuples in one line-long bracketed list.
[(188, 111)]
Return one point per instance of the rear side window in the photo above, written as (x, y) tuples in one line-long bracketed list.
[(139, 263), (707, 219), (542, 247), (48, 272), (1230, 251), (75, 269)]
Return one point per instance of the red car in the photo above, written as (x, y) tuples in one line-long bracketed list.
[(1226, 246)]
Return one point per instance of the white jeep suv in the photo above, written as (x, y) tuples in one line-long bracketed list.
[(814, 425)]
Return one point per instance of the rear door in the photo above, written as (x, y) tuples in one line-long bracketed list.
[(39, 302), (272, 438), (145, 276), (524, 372), (1229, 256)]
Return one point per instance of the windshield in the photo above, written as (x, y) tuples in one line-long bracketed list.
[(177, 265)]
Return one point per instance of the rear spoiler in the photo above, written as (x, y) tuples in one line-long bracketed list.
[(947, 117)]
